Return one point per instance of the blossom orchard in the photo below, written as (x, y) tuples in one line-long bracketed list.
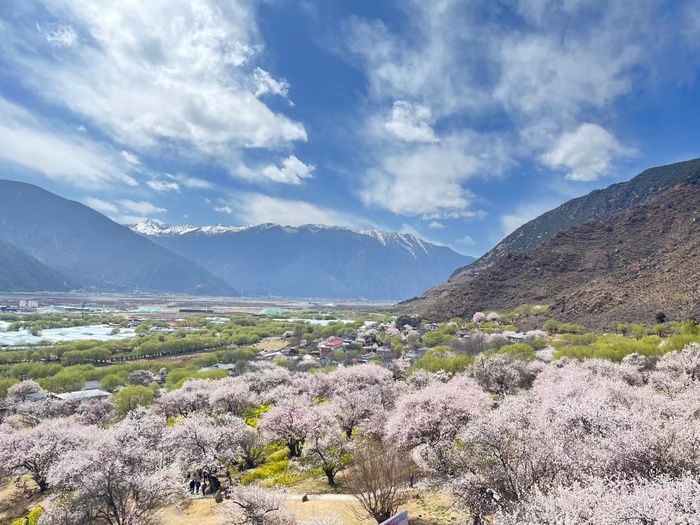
[(566, 441)]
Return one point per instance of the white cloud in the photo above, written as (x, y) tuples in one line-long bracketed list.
[(586, 153), (192, 183), (130, 157), (224, 209), (466, 241), (410, 122), (530, 71), (435, 225), (427, 63), (256, 208), (125, 211), (129, 219), (142, 207), (163, 186), (62, 36), (293, 171), (163, 72), (57, 153), (265, 84), (102, 206), (545, 81), (428, 180)]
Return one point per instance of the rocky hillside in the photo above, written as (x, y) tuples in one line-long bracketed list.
[(627, 267), (20, 272), (597, 205), (93, 251), (311, 260)]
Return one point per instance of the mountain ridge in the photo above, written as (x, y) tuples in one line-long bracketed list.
[(20, 272), (626, 268), (311, 260), (153, 228), (92, 250), (597, 205)]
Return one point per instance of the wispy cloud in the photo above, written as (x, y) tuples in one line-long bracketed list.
[(586, 153), (192, 183), (162, 186), (62, 36), (130, 157), (410, 122), (142, 207), (293, 171), (542, 75), (57, 153), (106, 207), (256, 208), (179, 74), (428, 180)]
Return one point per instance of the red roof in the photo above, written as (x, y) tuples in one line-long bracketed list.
[(335, 342)]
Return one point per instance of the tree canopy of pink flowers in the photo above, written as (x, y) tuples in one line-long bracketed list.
[(561, 443)]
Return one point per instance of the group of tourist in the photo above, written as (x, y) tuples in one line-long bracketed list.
[(202, 482)]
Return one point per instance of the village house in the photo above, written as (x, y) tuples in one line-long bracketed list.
[(81, 395), (517, 337), (328, 347), (218, 366)]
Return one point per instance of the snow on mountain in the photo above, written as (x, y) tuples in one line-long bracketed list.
[(154, 228), (311, 260)]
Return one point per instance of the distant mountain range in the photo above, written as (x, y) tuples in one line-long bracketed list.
[(311, 260), (618, 254), (20, 272), (91, 250), (53, 244)]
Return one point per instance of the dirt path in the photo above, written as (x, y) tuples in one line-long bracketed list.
[(322, 497)]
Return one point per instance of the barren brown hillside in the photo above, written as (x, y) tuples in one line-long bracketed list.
[(625, 268)]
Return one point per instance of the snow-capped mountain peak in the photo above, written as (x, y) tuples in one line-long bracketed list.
[(156, 228), (407, 241)]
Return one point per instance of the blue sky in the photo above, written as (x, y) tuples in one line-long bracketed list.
[(454, 120)]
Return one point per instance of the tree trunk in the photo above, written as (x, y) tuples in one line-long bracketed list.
[(330, 474), (294, 448)]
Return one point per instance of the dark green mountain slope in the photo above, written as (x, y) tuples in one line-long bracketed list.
[(20, 272), (91, 249)]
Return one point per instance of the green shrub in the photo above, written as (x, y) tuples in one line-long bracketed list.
[(442, 358), (611, 347), (678, 342), (266, 471), (132, 397), (555, 327), (33, 517), (520, 350), (5, 384)]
